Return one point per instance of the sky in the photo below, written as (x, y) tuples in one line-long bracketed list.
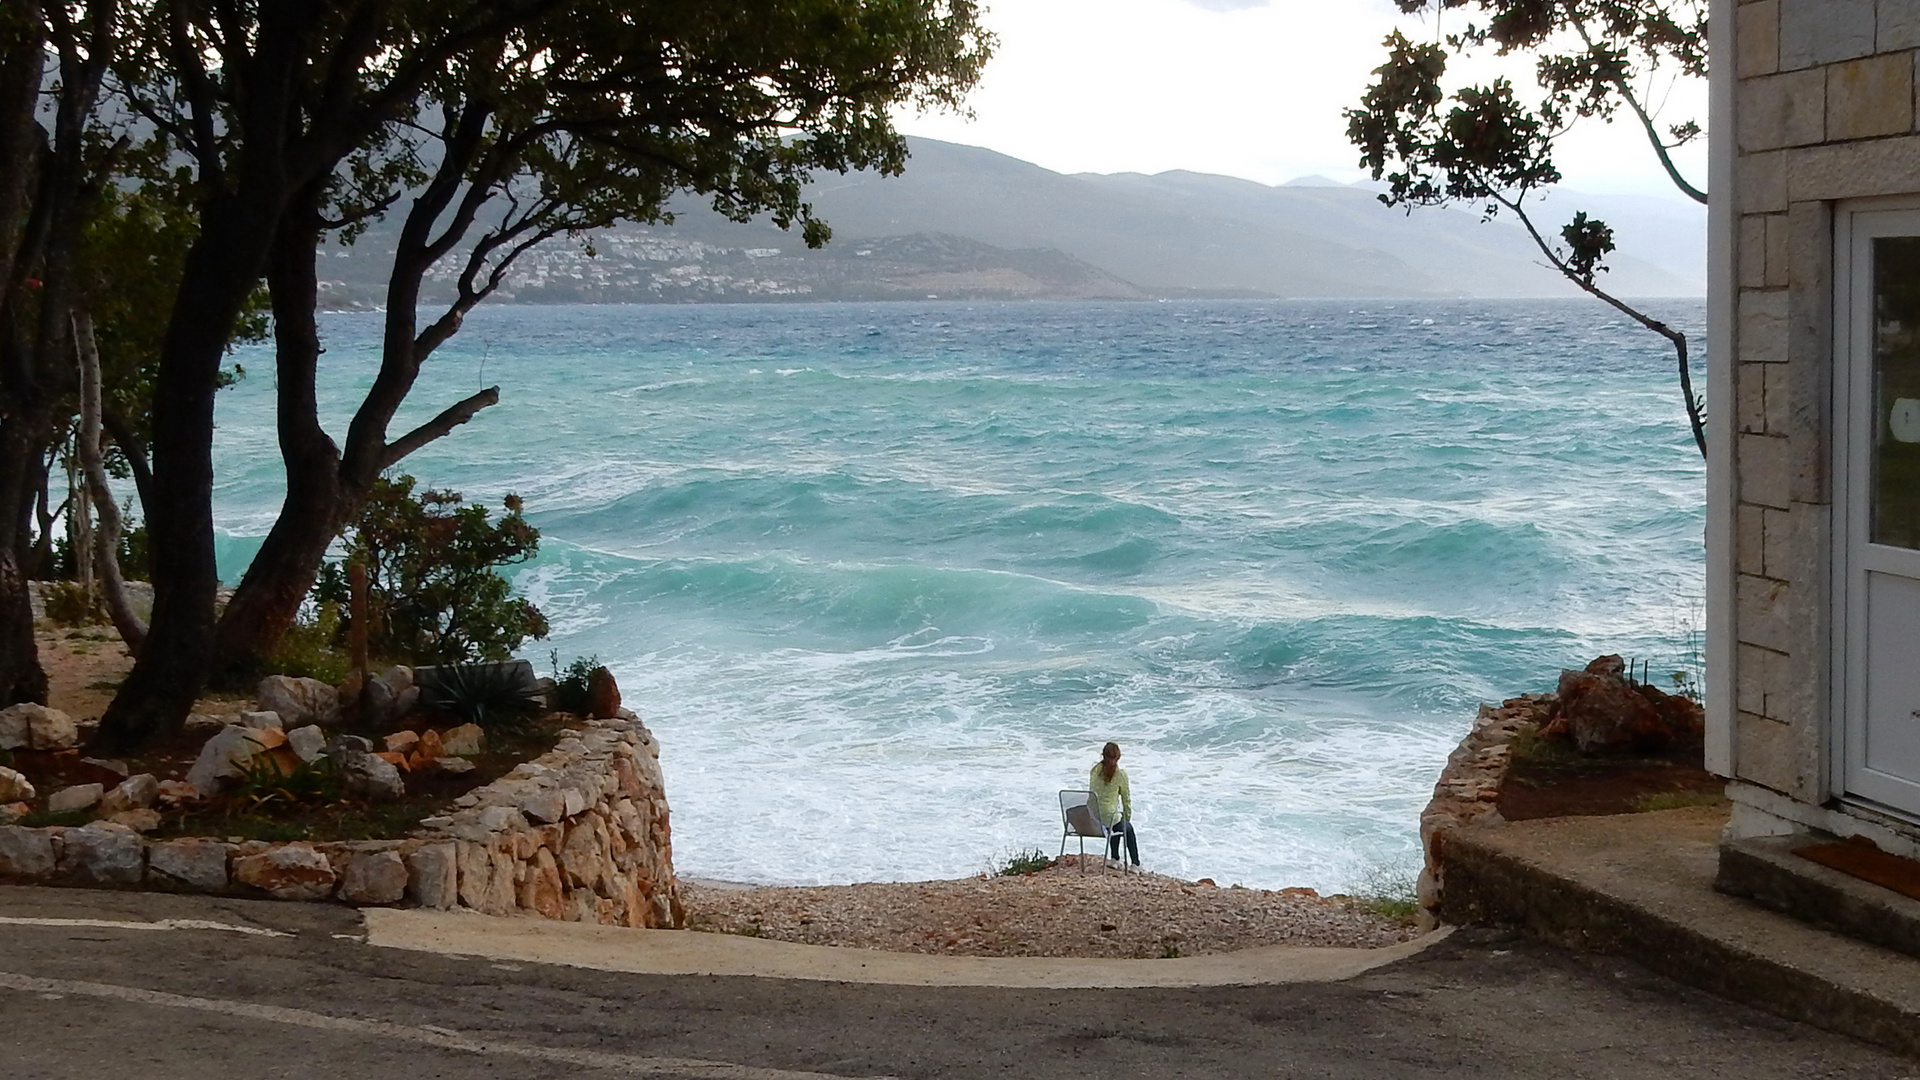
[(1247, 88)]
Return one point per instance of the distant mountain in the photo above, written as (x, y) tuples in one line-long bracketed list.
[(965, 222)]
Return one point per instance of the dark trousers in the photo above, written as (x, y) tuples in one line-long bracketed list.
[(1116, 832)]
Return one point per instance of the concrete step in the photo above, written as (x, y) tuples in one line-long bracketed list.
[(1766, 871), (1641, 886)]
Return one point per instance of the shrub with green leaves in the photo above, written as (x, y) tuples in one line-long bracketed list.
[(571, 684), (493, 696), (434, 591)]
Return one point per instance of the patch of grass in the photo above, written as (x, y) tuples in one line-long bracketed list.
[(105, 684), (1023, 861), (1169, 951), (41, 819), (1677, 800), (1389, 890), (1529, 745)]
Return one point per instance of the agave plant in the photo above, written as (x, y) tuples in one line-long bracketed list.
[(494, 696)]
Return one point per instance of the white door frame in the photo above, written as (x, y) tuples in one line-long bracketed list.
[(1855, 225)]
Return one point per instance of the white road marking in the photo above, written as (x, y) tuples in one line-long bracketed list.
[(442, 1038), (163, 924)]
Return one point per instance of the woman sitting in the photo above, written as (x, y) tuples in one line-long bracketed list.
[(1113, 802)]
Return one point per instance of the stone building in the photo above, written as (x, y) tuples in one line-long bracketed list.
[(1814, 469)]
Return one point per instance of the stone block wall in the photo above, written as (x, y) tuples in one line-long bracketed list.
[(1468, 791), (580, 833), (1825, 110)]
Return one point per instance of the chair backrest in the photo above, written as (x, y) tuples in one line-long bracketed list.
[(1077, 816)]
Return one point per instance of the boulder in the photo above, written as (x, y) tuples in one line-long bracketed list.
[(298, 701), (133, 793), (290, 872), (452, 766), (36, 727), (426, 750), (378, 877), (14, 811), (223, 755), (191, 865), (1601, 711), (103, 853), (401, 742), (14, 786), (25, 853), (432, 878), (103, 771), (262, 720), (365, 776), (603, 694), (399, 677), (466, 740), (77, 797), (307, 743)]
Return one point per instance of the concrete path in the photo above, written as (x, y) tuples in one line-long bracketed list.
[(92, 984), (1641, 885), (674, 952)]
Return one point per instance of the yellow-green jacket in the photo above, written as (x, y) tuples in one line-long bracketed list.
[(1106, 794)]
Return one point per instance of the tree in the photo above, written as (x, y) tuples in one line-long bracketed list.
[(507, 123), (55, 162), (1482, 144)]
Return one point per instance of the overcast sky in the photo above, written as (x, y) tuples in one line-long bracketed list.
[(1248, 88)]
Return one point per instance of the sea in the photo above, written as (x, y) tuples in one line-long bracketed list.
[(884, 577)]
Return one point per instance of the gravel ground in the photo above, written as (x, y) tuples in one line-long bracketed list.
[(1060, 911)]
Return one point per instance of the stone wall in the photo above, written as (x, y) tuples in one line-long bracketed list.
[(581, 833), (1825, 110), (1469, 785)]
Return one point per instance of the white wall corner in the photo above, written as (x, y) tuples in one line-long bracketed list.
[(1722, 226)]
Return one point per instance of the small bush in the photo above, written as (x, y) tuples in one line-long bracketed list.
[(69, 605), (570, 684), (310, 649), (263, 782), (1025, 861)]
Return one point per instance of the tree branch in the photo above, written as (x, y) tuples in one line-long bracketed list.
[(451, 417)]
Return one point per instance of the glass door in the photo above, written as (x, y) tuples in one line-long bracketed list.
[(1877, 512)]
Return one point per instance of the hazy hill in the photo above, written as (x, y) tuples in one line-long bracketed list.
[(964, 222)]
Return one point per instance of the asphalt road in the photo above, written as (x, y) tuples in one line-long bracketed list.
[(314, 1001)]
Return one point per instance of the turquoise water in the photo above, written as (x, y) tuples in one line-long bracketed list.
[(884, 577)]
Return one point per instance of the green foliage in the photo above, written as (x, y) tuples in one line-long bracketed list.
[(570, 684), (433, 593), (263, 783), (1023, 861), (68, 604), (1676, 800), (490, 695), (310, 649), (1388, 889)]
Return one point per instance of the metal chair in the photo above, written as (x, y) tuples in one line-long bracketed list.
[(1078, 818)]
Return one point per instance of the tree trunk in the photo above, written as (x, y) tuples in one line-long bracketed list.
[(220, 271), (21, 676), (106, 539), (318, 502)]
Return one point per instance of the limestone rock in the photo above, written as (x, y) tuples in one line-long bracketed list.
[(201, 723), (399, 677), (542, 890), (291, 872), (427, 748), (193, 865), (546, 805), (77, 797), (1602, 711), (307, 743), (401, 742), (102, 853), (37, 727), (140, 820), (25, 853), (365, 776), (433, 879), (378, 877), (177, 792), (14, 811), (453, 766), (103, 771), (220, 759), (262, 720), (14, 786), (603, 694), (133, 793), (466, 740), (298, 701)]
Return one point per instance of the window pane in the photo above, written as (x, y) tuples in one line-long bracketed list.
[(1896, 391)]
